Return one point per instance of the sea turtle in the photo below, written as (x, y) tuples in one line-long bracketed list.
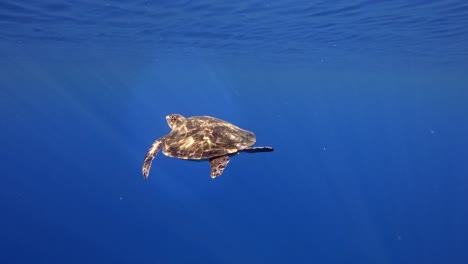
[(202, 138)]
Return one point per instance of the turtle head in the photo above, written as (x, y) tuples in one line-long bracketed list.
[(174, 120)]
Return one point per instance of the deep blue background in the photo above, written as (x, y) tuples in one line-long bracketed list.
[(365, 102)]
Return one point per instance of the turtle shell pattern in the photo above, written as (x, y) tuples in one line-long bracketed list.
[(204, 137)]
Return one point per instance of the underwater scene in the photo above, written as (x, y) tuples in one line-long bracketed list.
[(234, 131)]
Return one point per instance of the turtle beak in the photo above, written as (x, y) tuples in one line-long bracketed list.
[(168, 120)]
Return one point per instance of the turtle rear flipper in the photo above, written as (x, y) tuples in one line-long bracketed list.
[(152, 152), (218, 165), (258, 149)]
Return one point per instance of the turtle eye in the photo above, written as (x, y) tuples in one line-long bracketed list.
[(172, 120)]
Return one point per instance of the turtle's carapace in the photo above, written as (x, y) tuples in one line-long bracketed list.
[(200, 138)]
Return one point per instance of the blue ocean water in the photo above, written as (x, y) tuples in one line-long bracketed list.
[(365, 102)]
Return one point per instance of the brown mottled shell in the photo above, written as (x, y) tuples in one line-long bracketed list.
[(204, 137)]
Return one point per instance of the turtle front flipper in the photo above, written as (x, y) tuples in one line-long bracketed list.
[(152, 151), (218, 165)]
